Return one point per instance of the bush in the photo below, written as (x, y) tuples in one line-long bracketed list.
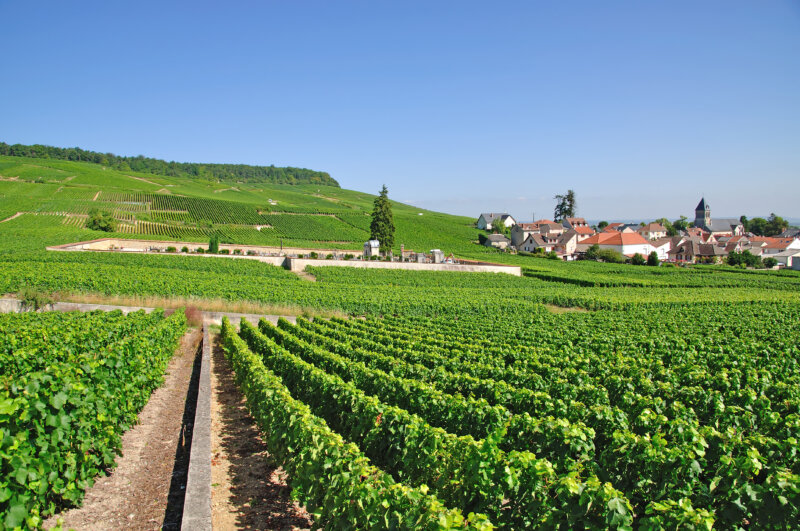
[(237, 251), (224, 251), (184, 249), (200, 250), (171, 249), (611, 256), (348, 257), (770, 262), (33, 299), (101, 220), (552, 255), (251, 252), (213, 244), (592, 252), (652, 259), (313, 255), (300, 255), (745, 258), (637, 259), (329, 257)]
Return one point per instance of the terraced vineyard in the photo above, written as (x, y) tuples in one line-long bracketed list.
[(632, 418), (70, 385)]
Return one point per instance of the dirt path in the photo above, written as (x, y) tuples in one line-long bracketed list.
[(144, 491), (247, 491), (96, 195), (18, 214)]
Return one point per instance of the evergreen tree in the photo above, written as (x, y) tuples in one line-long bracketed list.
[(565, 207), (382, 225)]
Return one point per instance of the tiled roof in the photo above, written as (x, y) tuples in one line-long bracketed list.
[(615, 238)]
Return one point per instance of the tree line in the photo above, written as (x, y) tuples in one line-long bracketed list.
[(142, 164)]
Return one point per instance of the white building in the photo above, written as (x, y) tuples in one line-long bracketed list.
[(626, 243), (485, 220)]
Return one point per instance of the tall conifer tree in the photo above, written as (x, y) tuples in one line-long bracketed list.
[(382, 225)]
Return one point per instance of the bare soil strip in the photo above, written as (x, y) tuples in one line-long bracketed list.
[(247, 490), (137, 493), (18, 214)]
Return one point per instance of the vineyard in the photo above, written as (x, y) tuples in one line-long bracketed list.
[(581, 395), (70, 385), (581, 422)]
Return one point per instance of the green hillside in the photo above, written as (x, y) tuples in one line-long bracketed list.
[(182, 208)]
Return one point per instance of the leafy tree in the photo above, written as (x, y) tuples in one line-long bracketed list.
[(592, 252), (213, 244), (745, 223), (602, 225), (770, 262), (637, 259), (101, 220), (652, 259), (671, 230), (776, 225), (382, 225), (565, 206), (758, 226), (681, 224), (499, 226)]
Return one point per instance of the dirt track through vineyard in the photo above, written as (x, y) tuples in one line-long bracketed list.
[(247, 491), (142, 492)]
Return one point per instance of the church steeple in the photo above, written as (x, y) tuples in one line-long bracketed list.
[(702, 214)]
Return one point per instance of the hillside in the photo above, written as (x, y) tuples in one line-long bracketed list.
[(205, 171), (60, 195)]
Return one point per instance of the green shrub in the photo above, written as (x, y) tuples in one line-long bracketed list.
[(101, 220)]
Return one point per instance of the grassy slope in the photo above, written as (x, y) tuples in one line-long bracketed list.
[(46, 186)]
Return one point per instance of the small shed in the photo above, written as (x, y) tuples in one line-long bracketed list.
[(372, 248)]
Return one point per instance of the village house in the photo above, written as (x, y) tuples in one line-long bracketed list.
[(521, 231), (537, 241), (789, 258), (620, 227), (571, 223), (497, 240), (653, 231), (664, 245), (485, 220), (779, 245), (691, 251), (626, 243)]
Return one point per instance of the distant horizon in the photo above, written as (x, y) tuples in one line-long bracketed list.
[(457, 107)]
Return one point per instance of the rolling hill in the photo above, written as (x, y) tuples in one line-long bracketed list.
[(55, 195)]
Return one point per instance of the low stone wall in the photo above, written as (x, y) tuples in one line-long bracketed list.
[(290, 263), (142, 246), (299, 264)]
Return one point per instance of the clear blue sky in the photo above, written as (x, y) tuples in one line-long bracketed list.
[(462, 107)]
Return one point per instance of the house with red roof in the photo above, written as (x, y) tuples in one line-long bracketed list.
[(626, 243)]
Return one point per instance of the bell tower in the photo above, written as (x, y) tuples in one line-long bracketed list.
[(702, 214)]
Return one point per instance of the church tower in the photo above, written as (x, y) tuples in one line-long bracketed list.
[(702, 214)]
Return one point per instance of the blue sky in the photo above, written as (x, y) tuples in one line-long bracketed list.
[(462, 107)]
